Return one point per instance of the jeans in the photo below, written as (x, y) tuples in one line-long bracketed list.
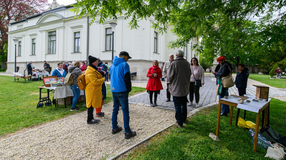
[(76, 94), (120, 98), (106, 76), (181, 109), (225, 108)]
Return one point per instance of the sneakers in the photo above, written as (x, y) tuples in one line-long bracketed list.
[(74, 109), (155, 104), (179, 126), (101, 114), (94, 121), (117, 130), (152, 104), (84, 105), (168, 100), (130, 134), (191, 104)]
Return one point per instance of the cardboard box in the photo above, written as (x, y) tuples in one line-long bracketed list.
[(61, 101), (81, 98)]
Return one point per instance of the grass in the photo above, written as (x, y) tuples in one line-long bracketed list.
[(278, 83), (192, 141), (18, 103)]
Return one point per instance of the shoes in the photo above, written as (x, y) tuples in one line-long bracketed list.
[(94, 121), (116, 130), (222, 114), (191, 104), (101, 114), (152, 105), (197, 105), (168, 100), (74, 109), (84, 105), (130, 134), (179, 126), (155, 104)]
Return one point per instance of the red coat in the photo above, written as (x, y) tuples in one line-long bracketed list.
[(154, 83)]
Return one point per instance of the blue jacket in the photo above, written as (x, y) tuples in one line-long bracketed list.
[(104, 68), (241, 78), (120, 80), (58, 74)]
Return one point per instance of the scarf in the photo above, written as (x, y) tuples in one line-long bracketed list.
[(61, 71)]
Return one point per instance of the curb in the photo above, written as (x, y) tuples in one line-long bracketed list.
[(144, 140)]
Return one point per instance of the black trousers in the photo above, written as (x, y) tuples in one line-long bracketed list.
[(168, 93), (151, 96), (241, 91), (194, 90), (90, 114), (181, 109)]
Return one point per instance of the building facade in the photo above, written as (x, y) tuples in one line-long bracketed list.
[(56, 36)]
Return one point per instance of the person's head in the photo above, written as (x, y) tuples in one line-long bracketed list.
[(105, 63), (171, 57), (194, 61), (77, 64), (99, 60), (278, 68), (45, 61), (60, 65), (241, 67), (155, 63), (180, 53), (221, 59), (124, 55), (163, 63), (31, 62), (83, 62), (93, 61), (66, 62)]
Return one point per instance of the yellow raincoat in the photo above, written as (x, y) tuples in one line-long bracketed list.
[(94, 81)]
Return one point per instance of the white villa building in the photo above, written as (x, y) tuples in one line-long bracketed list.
[(56, 36)]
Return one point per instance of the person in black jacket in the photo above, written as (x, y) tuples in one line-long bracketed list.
[(223, 71), (30, 68), (241, 79)]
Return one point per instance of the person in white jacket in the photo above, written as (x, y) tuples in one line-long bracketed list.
[(197, 75)]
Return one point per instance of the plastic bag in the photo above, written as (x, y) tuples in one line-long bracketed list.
[(246, 124)]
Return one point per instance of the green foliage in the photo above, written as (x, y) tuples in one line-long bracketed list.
[(272, 72), (192, 141), (278, 83), (204, 63), (18, 103)]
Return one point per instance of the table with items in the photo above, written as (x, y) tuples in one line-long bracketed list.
[(248, 103), (39, 74)]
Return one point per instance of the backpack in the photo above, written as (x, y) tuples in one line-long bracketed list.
[(81, 82), (68, 79)]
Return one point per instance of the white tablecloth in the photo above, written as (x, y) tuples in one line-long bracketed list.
[(63, 92), (248, 106)]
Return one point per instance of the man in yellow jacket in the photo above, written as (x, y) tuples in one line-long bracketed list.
[(94, 81)]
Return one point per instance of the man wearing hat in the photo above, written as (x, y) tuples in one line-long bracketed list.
[(223, 71), (47, 67), (94, 81), (120, 86)]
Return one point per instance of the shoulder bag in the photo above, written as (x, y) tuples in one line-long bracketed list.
[(227, 81), (197, 81)]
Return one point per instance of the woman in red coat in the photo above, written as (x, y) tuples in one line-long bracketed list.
[(154, 84)]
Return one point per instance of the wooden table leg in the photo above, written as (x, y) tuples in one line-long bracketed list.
[(268, 113), (256, 132), (218, 119), (265, 118), (244, 114), (231, 114), (237, 115)]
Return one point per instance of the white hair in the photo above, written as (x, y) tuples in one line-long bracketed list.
[(180, 53)]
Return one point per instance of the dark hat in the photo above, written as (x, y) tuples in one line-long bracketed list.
[(124, 53), (91, 59)]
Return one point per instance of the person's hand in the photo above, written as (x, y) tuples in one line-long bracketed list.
[(103, 78), (213, 72), (104, 72), (155, 75), (239, 71)]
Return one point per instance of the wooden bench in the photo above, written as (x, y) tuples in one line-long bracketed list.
[(28, 77)]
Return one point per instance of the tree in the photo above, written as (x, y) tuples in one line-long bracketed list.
[(16, 10), (225, 25)]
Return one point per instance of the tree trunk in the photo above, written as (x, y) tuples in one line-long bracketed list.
[(4, 65)]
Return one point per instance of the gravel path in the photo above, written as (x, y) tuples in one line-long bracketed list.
[(72, 138)]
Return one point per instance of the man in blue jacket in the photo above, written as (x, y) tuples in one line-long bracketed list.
[(59, 72), (241, 79), (120, 86)]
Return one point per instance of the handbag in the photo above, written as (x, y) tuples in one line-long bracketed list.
[(198, 82), (227, 81)]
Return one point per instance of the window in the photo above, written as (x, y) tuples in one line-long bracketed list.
[(155, 42), (33, 46), (76, 42), (19, 48), (108, 37), (52, 42)]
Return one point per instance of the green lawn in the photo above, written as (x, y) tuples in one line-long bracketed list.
[(18, 101), (192, 141), (279, 83)]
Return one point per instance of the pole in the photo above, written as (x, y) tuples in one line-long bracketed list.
[(15, 58), (112, 46), (87, 35), (248, 63), (187, 51)]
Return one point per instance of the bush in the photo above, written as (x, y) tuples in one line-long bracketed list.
[(272, 72), (3, 70)]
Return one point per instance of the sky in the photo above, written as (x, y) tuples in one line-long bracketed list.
[(64, 2)]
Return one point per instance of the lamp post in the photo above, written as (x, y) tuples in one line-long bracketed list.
[(113, 25), (15, 41), (248, 63)]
